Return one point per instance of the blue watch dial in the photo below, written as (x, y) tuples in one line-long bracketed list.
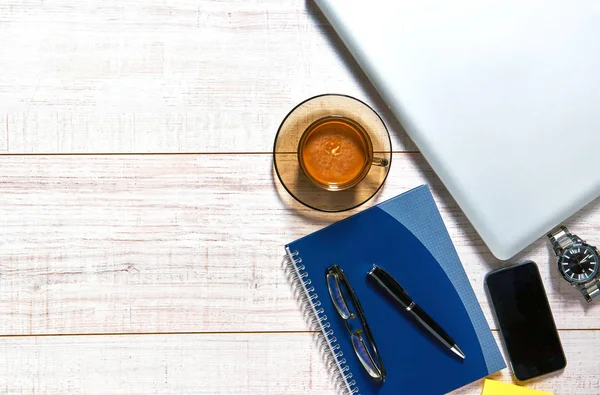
[(579, 263)]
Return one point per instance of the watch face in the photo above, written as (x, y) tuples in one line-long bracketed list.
[(579, 263)]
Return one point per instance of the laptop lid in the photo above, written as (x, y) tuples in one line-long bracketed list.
[(501, 97)]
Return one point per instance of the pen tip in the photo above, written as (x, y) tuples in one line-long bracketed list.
[(457, 351)]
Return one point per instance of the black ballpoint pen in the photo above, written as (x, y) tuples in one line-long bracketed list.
[(387, 283)]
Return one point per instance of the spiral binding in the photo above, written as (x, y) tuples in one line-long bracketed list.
[(310, 304)]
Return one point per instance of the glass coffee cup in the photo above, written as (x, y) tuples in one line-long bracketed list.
[(332, 153), (335, 153)]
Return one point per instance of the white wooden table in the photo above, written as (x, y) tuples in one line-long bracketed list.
[(141, 227)]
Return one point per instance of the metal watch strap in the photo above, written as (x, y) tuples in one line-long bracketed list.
[(591, 289), (561, 239)]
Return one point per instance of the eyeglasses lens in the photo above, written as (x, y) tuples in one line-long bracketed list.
[(335, 292)]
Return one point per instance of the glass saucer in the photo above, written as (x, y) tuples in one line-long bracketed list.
[(285, 155)]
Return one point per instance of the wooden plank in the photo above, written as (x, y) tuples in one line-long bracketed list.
[(285, 363), (187, 76), (169, 243), (3, 133), (160, 364)]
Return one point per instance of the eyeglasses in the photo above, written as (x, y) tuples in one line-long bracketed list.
[(348, 307)]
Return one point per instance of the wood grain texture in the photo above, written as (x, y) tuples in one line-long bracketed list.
[(192, 243), (282, 363), (167, 364), (166, 244), (178, 76), (3, 133)]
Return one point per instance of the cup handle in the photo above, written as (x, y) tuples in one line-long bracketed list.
[(381, 162)]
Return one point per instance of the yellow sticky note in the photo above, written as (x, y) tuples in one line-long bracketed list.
[(491, 387)]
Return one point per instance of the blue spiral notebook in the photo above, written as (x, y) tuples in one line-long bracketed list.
[(406, 236)]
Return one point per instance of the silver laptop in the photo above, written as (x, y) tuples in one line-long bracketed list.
[(501, 97)]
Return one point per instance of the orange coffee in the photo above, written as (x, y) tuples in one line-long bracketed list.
[(335, 152)]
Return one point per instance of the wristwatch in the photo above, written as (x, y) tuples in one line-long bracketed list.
[(578, 262)]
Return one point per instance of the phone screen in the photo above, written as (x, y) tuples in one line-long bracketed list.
[(523, 313)]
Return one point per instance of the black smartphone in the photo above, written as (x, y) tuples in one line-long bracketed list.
[(526, 324)]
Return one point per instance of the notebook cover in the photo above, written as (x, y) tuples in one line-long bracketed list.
[(406, 236)]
